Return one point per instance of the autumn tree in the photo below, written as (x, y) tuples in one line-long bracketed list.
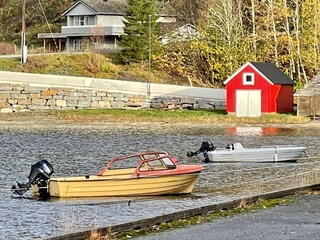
[(310, 36)]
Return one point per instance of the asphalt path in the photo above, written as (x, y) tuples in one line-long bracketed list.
[(297, 221), (38, 54)]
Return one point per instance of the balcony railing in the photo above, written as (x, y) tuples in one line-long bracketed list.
[(91, 30)]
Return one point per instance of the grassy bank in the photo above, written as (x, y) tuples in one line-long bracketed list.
[(185, 222), (177, 116), (90, 65)]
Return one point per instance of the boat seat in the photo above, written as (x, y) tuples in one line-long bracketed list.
[(237, 146)]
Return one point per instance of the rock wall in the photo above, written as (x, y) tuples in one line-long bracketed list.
[(15, 97)]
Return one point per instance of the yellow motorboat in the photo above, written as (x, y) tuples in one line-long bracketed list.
[(140, 174)]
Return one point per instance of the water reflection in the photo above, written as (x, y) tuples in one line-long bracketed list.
[(83, 150), (257, 131)]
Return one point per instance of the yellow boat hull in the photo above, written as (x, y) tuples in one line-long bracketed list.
[(106, 186)]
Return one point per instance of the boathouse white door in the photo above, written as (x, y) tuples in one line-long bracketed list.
[(248, 103)]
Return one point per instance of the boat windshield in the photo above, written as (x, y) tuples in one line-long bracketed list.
[(130, 162), (149, 155), (162, 163)]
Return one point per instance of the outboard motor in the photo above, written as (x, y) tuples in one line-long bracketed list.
[(40, 174), (205, 147)]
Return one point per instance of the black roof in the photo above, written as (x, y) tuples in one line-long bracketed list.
[(274, 74)]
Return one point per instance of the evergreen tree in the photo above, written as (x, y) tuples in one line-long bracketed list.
[(141, 16)]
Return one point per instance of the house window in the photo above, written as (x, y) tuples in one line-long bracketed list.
[(79, 44), (81, 20), (248, 79)]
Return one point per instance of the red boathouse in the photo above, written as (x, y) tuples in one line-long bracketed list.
[(257, 88)]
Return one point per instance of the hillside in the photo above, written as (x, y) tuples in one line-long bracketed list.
[(91, 65)]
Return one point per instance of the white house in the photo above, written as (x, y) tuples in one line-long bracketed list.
[(94, 24)]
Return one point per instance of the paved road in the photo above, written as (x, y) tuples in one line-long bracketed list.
[(297, 221), (38, 54)]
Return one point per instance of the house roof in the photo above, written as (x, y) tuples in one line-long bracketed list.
[(183, 33), (102, 6), (268, 70), (310, 89), (108, 7)]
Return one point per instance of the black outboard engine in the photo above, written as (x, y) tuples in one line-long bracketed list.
[(40, 174), (205, 147)]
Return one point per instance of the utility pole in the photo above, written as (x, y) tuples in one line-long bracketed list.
[(23, 32)]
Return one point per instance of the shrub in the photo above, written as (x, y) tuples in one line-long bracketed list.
[(7, 48), (38, 62)]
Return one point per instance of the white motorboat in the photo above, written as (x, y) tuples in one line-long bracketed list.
[(235, 152)]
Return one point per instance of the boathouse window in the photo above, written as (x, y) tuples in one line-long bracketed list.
[(248, 79)]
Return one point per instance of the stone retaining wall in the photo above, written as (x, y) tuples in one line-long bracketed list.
[(15, 97)]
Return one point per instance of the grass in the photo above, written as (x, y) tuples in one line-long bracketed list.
[(185, 222), (89, 65), (177, 116)]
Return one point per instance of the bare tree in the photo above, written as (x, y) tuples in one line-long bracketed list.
[(254, 34), (274, 31), (97, 37), (222, 18), (187, 11), (296, 20), (290, 40)]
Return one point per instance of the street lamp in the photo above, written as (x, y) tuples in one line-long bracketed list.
[(23, 32), (149, 62)]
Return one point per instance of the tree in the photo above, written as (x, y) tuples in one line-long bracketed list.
[(140, 24), (310, 36), (187, 11), (10, 18)]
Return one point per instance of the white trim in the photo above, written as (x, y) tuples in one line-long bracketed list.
[(244, 78), (243, 67)]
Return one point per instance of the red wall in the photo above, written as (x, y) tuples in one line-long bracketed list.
[(284, 99), (274, 98), (260, 83)]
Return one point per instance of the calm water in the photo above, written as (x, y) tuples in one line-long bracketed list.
[(83, 150)]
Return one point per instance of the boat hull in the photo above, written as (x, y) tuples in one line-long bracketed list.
[(104, 186), (263, 154)]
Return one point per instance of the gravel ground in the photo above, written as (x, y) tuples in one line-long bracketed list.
[(47, 118), (296, 221), (22, 118)]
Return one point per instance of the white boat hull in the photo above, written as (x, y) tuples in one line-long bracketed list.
[(263, 154)]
